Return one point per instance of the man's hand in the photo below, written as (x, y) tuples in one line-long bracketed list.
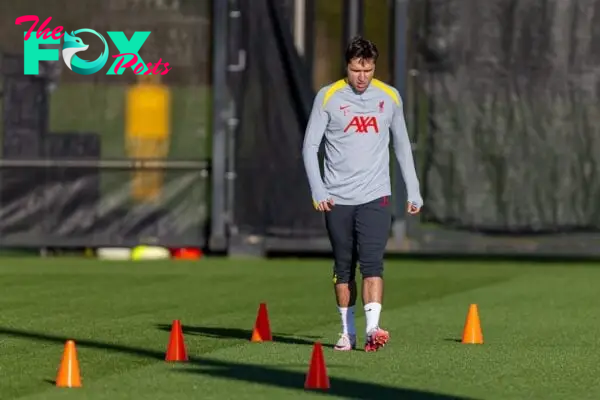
[(413, 208), (325, 205)]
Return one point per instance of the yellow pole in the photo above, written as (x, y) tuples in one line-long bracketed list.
[(147, 132)]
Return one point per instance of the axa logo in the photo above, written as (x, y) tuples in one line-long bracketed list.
[(72, 44), (362, 124)]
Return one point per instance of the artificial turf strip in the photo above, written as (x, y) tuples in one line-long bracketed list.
[(540, 328)]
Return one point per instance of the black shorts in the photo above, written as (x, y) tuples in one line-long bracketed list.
[(359, 233)]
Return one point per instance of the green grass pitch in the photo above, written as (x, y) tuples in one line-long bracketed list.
[(540, 325)]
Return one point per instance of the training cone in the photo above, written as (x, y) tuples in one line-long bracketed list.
[(176, 349), (187, 253), (262, 326), (317, 378), (68, 373), (472, 330)]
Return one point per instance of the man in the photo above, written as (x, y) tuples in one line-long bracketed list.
[(355, 116)]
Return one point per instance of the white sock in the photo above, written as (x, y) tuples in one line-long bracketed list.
[(372, 312), (347, 316)]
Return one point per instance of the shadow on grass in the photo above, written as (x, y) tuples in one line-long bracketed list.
[(252, 373), (339, 387), (242, 334), (455, 340)]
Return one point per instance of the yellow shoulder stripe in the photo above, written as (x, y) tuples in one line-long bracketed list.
[(380, 85), (334, 88)]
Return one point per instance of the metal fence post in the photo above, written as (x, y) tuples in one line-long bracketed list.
[(398, 14), (219, 21), (309, 37), (353, 23)]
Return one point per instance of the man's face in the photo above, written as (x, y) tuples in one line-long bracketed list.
[(360, 73)]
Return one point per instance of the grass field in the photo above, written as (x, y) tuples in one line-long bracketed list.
[(540, 325)]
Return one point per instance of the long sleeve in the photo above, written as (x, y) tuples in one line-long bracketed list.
[(403, 152), (315, 131)]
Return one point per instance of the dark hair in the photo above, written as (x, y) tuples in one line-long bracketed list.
[(361, 48)]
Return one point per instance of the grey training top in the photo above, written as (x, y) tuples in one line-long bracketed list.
[(357, 135)]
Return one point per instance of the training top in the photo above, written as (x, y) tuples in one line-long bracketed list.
[(357, 127)]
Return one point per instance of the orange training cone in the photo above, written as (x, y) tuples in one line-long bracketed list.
[(68, 373), (262, 326), (317, 378), (472, 330), (176, 349)]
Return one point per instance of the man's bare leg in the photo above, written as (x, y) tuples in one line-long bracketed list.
[(372, 290), (345, 294)]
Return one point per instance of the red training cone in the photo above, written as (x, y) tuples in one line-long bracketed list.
[(317, 378), (176, 349), (262, 326), (187, 253)]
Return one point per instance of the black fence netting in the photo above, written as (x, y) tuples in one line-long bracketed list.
[(274, 98), (67, 138), (511, 91)]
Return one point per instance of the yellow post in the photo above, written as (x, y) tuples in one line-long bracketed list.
[(147, 132)]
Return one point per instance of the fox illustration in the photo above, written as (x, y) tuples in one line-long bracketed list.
[(72, 44)]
